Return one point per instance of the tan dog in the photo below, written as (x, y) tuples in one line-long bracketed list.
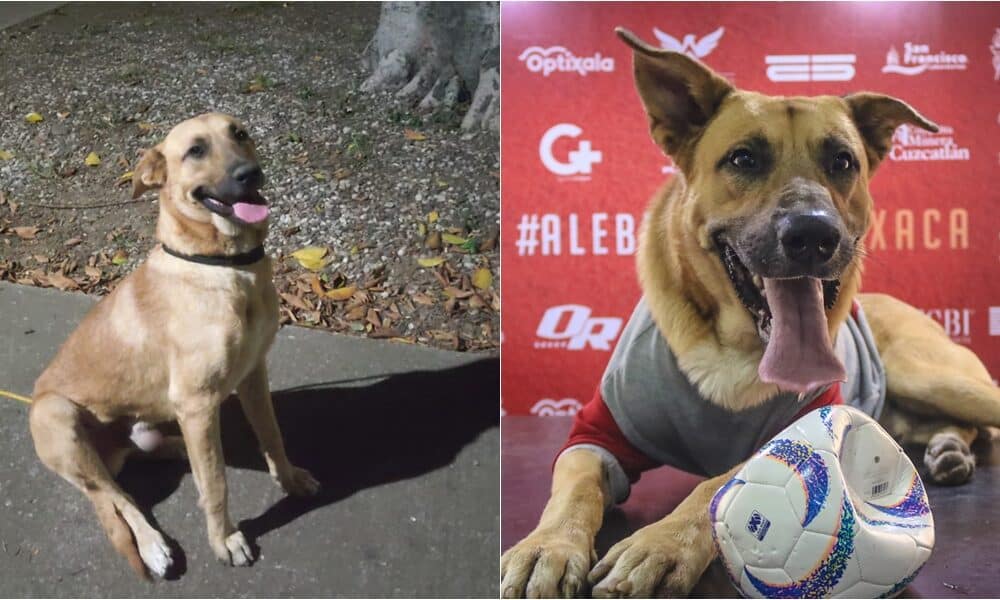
[(171, 342), (749, 262)]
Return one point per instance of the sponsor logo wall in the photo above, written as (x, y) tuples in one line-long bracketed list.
[(579, 168)]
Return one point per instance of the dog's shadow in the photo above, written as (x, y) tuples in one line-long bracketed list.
[(349, 436)]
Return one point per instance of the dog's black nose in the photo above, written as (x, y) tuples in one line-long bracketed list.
[(809, 238), (249, 174)]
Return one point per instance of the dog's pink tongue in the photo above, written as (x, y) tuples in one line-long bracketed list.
[(250, 213), (799, 356)]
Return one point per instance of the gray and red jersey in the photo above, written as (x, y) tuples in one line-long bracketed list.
[(646, 412)]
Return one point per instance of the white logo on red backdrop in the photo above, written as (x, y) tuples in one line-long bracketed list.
[(578, 162), (571, 327), (955, 322), (546, 407), (995, 49), (690, 45), (786, 68), (912, 143), (918, 58), (543, 234), (558, 59)]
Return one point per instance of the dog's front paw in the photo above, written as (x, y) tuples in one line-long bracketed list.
[(665, 559), (155, 552), (949, 460), (545, 565), (298, 482), (234, 550)]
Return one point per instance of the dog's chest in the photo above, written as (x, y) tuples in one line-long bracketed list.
[(254, 306)]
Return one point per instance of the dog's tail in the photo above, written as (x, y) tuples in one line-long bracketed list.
[(119, 533)]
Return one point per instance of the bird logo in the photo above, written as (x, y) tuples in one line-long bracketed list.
[(691, 45)]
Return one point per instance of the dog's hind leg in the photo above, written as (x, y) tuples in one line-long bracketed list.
[(939, 392), (63, 436)]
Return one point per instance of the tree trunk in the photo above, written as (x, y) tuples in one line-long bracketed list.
[(439, 55)]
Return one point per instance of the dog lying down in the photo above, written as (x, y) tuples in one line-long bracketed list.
[(170, 343), (749, 262)]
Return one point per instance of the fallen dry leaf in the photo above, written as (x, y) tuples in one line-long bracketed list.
[(311, 257), (120, 258), (452, 239), (433, 240), (34, 117), (414, 135), (92, 160), (4, 155), (72, 242), (93, 272), (124, 178), (430, 262), (482, 278), (58, 280), (342, 293), (27, 232), (432, 216)]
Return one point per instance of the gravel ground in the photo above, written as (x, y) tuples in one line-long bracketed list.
[(377, 186)]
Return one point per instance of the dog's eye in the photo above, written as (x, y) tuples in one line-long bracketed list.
[(196, 151), (742, 159), (241, 136), (842, 162)]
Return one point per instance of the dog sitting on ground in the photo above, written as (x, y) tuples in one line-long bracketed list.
[(171, 342), (749, 262)]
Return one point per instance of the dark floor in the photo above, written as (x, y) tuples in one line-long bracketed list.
[(403, 439), (965, 562)]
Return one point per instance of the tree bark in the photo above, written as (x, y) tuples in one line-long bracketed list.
[(436, 55)]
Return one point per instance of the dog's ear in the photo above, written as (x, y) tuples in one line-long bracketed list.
[(877, 116), (151, 172), (679, 93)]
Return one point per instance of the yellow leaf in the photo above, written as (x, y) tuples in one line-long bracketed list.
[(4, 155), (120, 258), (420, 228), (92, 160), (33, 117), (126, 176), (311, 257), (453, 239), (482, 279), (432, 216), (319, 176), (341, 293), (412, 134), (430, 262)]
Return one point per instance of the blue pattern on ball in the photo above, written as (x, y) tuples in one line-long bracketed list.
[(826, 575), (808, 466), (913, 504)]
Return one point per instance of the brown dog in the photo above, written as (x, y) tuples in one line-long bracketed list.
[(749, 262), (171, 342)]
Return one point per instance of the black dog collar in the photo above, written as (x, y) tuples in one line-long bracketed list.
[(220, 260)]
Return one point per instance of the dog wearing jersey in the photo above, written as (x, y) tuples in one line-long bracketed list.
[(750, 263), (170, 343)]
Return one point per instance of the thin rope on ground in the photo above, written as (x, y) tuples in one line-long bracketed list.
[(15, 396)]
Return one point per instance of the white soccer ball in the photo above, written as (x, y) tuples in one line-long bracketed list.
[(829, 508)]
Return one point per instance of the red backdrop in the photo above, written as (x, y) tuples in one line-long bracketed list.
[(578, 166)]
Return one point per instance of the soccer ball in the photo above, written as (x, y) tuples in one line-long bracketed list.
[(831, 507)]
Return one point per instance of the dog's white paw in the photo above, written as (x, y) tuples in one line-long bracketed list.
[(949, 460), (298, 482), (155, 553), (238, 550)]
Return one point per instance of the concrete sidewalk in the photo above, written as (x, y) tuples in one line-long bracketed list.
[(404, 439)]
